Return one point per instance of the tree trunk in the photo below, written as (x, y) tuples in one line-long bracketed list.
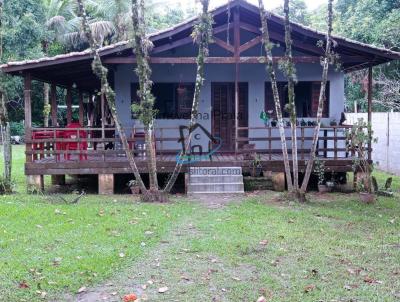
[(202, 34), (321, 101), (46, 104), (271, 70), (141, 46), (7, 151), (290, 73), (101, 72)]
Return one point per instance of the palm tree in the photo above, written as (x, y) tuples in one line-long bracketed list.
[(56, 14)]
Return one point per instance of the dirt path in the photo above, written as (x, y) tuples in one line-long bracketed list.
[(185, 274)]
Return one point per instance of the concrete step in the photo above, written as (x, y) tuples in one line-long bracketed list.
[(207, 171), (216, 188), (216, 179)]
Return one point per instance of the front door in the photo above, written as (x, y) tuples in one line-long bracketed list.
[(223, 113)]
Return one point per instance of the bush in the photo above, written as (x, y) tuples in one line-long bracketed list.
[(6, 186), (17, 128)]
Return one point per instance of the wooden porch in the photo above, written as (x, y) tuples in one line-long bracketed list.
[(85, 152)]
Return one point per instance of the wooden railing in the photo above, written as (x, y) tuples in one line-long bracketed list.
[(332, 141), (82, 143)]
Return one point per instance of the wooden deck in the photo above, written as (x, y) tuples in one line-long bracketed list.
[(112, 164), (49, 154)]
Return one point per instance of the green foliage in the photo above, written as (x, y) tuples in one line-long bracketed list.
[(298, 12), (375, 22), (17, 128), (319, 169)]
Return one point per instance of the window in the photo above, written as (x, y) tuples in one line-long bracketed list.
[(172, 100), (306, 99)]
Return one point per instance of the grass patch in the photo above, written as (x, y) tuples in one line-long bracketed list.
[(332, 248)]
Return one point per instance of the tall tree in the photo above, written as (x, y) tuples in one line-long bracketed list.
[(290, 71), (328, 58), (4, 122), (202, 35), (101, 72), (145, 108), (272, 74), (57, 12)]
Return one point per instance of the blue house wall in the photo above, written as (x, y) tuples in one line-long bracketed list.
[(254, 74)]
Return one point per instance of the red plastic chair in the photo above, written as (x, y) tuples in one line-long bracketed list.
[(74, 146)]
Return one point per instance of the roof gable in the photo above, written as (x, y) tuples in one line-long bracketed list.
[(304, 39)]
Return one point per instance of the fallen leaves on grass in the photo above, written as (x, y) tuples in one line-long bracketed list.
[(309, 288), (82, 290), (370, 280), (262, 299), (162, 290), (130, 298), (264, 242), (23, 284)]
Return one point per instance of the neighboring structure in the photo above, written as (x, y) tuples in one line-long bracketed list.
[(235, 94), (386, 128)]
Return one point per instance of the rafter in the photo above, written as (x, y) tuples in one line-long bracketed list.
[(250, 44), (223, 44)]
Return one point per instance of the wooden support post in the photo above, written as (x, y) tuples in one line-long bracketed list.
[(236, 26), (35, 183), (370, 111), (69, 105), (28, 113), (53, 104), (106, 184), (81, 113)]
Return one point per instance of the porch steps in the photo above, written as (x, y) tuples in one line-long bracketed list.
[(215, 180)]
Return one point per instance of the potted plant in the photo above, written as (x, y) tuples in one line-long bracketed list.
[(255, 166), (358, 138), (319, 169), (303, 123), (333, 122), (274, 123), (134, 186)]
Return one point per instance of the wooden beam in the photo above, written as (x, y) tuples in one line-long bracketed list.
[(281, 38), (69, 105), (223, 44), (53, 102), (81, 114), (250, 44), (27, 98), (172, 45), (222, 28), (210, 60), (370, 111), (28, 112)]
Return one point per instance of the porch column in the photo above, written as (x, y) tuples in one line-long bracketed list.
[(28, 114), (236, 24), (370, 111), (69, 105), (81, 119), (53, 100), (106, 184)]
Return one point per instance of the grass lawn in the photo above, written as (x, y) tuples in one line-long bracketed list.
[(331, 249)]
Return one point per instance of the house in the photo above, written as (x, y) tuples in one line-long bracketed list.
[(236, 93)]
